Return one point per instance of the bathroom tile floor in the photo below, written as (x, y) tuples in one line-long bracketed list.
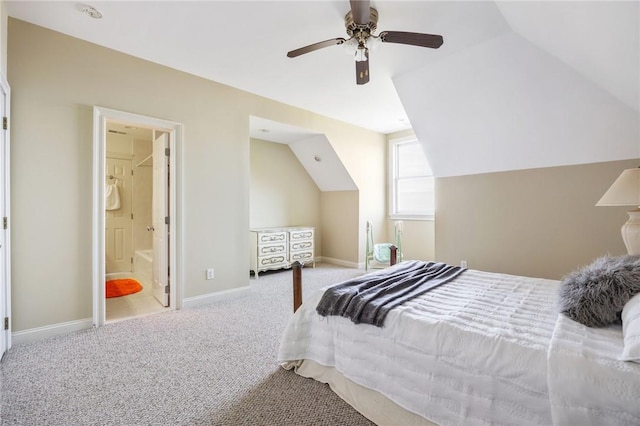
[(133, 305)]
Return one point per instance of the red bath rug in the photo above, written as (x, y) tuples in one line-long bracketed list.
[(122, 287)]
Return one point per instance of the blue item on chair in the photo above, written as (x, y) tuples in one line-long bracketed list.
[(380, 253)]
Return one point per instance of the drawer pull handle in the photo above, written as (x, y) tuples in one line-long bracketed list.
[(270, 238), (272, 260), (267, 250), (301, 256), (297, 246), (301, 235)]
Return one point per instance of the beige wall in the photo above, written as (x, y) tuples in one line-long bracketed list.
[(285, 195), (538, 222), (56, 81), (341, 231), (367, 165), (363, 153), (418, 239), (3, 37), (282, 193)]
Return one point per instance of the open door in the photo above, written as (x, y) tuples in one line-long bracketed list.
[(5, 252), (160, 217)]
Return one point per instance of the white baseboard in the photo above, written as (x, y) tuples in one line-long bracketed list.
[(117, 275), (341, 262), (190, 302), (39, 333)]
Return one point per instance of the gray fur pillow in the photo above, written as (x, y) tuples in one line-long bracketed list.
[(596, 294)]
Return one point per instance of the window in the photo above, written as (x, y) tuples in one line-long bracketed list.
[(411, 181)]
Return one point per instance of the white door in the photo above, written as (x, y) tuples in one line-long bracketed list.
[(119, 222), (5, 252), (160, 214)]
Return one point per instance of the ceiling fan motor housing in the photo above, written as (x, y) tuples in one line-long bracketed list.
[(361, 32)]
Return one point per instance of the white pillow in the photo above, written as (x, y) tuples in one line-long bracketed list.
[(631, 330)]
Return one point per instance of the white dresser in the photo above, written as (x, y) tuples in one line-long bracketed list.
[(279, 248)]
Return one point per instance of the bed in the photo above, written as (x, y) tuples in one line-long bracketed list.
[(484, 348)]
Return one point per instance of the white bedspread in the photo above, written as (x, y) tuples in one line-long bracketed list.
[(587, 384), (471, 352)]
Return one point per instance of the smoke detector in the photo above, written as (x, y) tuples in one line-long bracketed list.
[(92, 12)]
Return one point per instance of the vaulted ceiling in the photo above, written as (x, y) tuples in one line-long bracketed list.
[(516, 84)]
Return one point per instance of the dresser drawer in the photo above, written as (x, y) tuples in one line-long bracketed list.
[(271, 237), (305, 234), (301, 256), (301, 245), (270, 249), (274, 261)]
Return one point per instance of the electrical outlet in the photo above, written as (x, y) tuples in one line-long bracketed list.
[(210, 274), (463, 263)]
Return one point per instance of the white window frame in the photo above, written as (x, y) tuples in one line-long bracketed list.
[(393, 179)]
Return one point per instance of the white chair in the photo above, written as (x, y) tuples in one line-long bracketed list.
[(378, 255)]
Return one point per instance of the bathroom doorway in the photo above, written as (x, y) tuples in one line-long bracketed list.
[(130, 233), (135, 198)]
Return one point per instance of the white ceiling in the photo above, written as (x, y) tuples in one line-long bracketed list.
[(244, 44)]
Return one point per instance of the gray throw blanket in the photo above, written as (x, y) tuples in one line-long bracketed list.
[(368, 299)]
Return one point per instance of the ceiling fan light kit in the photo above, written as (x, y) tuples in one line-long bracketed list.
[(361, 23)]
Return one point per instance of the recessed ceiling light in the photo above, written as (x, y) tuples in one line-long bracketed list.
[(92, 11), (264, 130)]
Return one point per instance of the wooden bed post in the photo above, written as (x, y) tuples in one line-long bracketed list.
[(394, 255), (296, 267)]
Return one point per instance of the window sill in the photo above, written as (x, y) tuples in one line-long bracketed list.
[(420, 217)]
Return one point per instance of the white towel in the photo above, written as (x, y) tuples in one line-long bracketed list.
[(112, 197)]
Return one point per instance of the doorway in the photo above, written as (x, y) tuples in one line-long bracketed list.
[(136, 199), (136, 213)]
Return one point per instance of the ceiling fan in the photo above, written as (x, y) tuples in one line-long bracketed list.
[(361, 23)]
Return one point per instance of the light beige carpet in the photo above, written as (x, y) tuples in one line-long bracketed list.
[(211, 365)]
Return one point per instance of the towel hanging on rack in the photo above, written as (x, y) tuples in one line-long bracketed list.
[(112, 196)]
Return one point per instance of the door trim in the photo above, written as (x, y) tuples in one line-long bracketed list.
[(5, 288), (100, 117)]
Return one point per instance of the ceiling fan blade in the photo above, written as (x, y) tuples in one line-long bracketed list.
[(362, 71), (415, 39), (360, 10), (316, 46)]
